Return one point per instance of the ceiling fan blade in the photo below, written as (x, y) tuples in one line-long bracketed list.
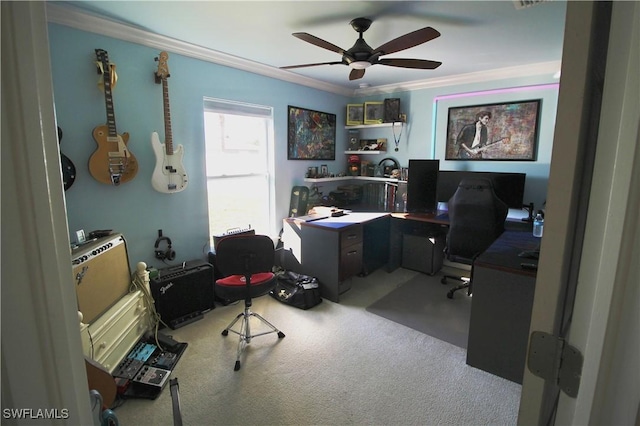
[(408, 40), (319, 42), (312, 65), (356, 74), (411, 63)]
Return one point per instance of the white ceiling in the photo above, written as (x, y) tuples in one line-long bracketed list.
[(477, 36)]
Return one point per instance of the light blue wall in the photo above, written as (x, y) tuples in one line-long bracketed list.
[(134, 208), (138, 211), (424, 136)]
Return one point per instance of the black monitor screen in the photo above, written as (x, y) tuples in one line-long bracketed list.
[(422, 186), (509, 187)]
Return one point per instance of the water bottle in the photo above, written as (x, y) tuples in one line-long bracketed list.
[(538, 226)]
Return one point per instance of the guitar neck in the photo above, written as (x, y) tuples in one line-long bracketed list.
[(108, 96), (168, 137)]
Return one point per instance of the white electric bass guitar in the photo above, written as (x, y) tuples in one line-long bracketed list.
[(169, 175)]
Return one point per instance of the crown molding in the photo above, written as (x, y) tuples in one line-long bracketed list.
[(529, 70), (79, 20), (74, 18)]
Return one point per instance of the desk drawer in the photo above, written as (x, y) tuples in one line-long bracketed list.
[(350, 261), (352, 235)]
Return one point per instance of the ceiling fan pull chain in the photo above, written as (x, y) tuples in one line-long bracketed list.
[(396, 140)]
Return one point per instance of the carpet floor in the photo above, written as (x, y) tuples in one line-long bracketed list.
[(421, 303), (338, 365)]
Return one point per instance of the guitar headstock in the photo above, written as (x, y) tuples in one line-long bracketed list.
[(105, 69), (102, 60), (163, 68)]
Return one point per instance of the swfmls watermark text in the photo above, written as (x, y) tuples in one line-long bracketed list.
[(36, 413)]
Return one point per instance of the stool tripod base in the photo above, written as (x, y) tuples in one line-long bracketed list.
[(245, 331)]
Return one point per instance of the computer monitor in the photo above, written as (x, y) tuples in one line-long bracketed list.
[(509, 187), (422, 186)]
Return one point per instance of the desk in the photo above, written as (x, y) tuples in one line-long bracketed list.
[(501, 308), (336, 248), (502, 292), (427, 224)]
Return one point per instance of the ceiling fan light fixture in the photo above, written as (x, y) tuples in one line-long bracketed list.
[(359, 65)]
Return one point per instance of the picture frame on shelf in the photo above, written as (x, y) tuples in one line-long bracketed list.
[(391, 110), (373, 112), (509, 131), (354, 139), (324, 170), (355, 114), (311, 135)]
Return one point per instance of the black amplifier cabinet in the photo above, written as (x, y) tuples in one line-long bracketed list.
[(183, 293)]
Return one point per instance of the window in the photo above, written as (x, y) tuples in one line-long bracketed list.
[(239, 164)]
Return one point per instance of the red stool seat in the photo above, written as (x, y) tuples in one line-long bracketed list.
[(234, 287), (239, 280)]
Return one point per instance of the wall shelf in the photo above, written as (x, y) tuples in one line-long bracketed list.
[(373, 126), (364, 152), (342, 178)]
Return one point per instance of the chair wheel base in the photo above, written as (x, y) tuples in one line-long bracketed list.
[(225, 332), (443, 280), (237, 366), (450, 294), (280, 334)]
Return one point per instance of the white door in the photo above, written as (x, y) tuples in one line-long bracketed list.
[(601, 256), (42, 361)]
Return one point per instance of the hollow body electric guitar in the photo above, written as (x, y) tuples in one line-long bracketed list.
[(112, 163), (68, 168), (169, 175)]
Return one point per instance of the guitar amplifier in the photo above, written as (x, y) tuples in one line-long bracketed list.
[(102, 275), (183, 293), (232, 232)]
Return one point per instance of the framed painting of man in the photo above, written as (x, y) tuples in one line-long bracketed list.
[(500, 131)]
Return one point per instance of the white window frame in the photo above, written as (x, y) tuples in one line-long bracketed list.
[(222, 106)]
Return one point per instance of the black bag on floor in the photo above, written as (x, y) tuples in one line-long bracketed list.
[(301, 291)]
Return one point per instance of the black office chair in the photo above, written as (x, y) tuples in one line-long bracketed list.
[(476, 219), (246, 261)]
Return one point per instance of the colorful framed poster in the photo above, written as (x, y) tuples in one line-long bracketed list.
[(311, 135)]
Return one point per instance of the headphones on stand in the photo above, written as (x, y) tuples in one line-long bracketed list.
[(169, 253)]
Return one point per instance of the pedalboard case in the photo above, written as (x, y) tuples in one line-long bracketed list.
[(145, 370), (108, 338)]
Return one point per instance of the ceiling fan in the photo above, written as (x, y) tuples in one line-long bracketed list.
[(361, 55)]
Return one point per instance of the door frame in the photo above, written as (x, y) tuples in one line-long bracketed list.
[(42, 362), (607, 295)]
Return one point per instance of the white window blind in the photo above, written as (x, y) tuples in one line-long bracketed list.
[(239, 139)]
